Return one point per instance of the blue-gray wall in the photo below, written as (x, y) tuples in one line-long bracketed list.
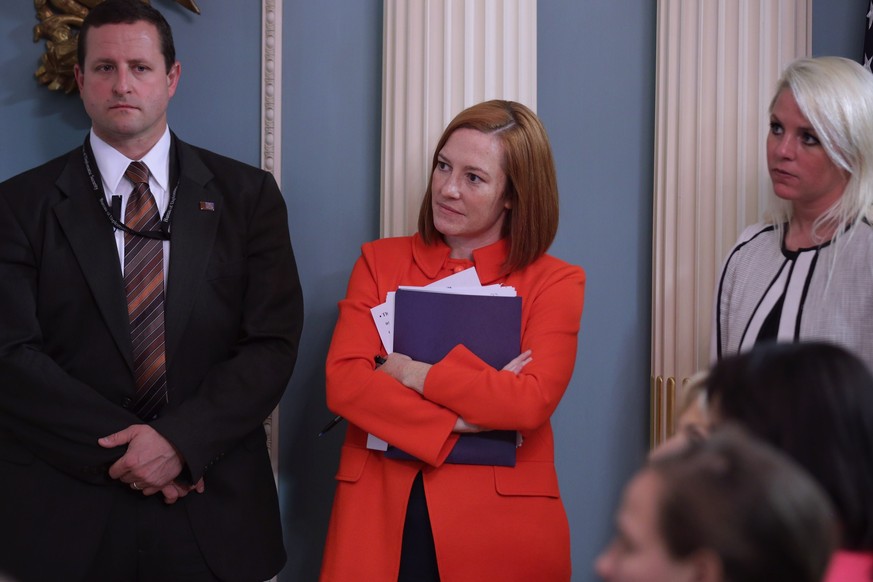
[(217, 104), (596, 98), (332, 133), (596, 89), (838, 27)]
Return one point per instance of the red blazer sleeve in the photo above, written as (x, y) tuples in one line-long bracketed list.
[(367, 398), (552, 297)]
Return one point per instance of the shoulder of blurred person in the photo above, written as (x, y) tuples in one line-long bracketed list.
[(849, 566)]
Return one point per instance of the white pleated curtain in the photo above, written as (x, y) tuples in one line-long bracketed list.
[(717, 66), (439, 57)]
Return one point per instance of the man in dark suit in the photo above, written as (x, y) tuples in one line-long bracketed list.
[(117, 461)]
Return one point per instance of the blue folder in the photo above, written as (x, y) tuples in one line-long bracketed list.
[(428, 325)]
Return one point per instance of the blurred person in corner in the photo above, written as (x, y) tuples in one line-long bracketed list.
[(725, 509)]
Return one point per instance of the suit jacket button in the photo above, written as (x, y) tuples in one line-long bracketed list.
[(127, 402)]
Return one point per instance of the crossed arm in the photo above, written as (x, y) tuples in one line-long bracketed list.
[(412, 374)]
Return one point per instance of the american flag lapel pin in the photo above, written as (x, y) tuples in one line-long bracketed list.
[(207, 206)]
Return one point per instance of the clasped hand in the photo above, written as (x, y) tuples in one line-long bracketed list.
[(150, 464)]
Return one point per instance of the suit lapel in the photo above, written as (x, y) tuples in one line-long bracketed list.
[(91, 238), (193, 233)]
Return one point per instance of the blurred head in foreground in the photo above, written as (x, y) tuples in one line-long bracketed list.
[(725, 509)]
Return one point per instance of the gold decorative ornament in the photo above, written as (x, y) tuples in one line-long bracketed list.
[(59, 24)]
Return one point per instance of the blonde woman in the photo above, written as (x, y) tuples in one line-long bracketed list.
[(807, 272)]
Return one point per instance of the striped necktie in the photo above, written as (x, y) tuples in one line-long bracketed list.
[(144, 286)]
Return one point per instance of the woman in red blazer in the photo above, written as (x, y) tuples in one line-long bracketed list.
[(492, 203)]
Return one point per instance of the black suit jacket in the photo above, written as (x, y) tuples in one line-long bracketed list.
[(234, 314)]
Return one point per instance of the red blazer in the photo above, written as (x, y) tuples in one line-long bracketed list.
[(489, 523)]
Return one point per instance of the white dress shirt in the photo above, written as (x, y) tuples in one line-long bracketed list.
[(113, 164)]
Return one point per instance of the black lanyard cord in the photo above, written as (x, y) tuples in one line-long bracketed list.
[(114, 217)]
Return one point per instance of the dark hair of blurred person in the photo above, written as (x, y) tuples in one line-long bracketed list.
[(814, 401)]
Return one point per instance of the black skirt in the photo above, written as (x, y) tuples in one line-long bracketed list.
[(418, 555)]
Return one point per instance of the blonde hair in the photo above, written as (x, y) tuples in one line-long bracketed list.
[(836, 97), (694, 393)]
